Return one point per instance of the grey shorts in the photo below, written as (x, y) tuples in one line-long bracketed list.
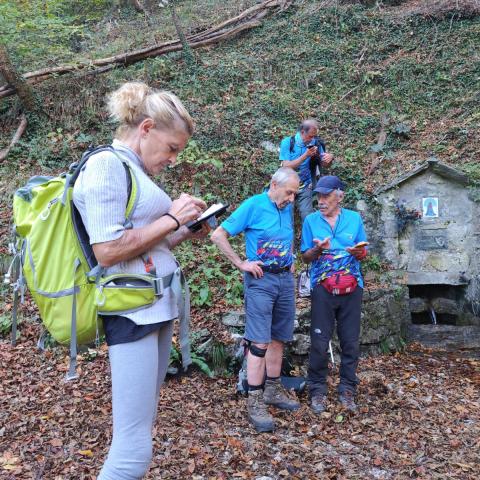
[(269, 307)]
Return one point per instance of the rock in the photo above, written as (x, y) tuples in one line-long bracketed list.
[(302, 320), (269, 146), (418, 305), (235, 350), (202, 334), (362, 206), (301, 344), (449, 337), (369, 276), (445, 305), (234, 319), (205, 348), (384, 312)]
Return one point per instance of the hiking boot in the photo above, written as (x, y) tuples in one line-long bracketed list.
[(258, 413), (276, 395), (347, 400), (319, 402)]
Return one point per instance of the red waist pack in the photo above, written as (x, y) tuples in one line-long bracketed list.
[(340, 284)]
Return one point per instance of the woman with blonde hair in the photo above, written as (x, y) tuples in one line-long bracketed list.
[(154, 129)]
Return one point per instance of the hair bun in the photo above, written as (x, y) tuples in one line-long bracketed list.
[(127, 104), (133, 102)]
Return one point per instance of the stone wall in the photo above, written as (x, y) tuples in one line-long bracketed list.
[(385, 315)]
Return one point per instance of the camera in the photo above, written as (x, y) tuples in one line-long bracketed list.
[(316, 160), (316, 142)]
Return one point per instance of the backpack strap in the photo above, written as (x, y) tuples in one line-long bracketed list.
[(316, 162), (181, 292), (132, 183), (292, 143), (72, 370), (132, 188), (15, 272)]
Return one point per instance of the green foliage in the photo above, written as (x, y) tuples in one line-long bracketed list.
[(202, 364), (197, 360), (352, 177), (472, 169), (391, 345), (193, 155), (219, 358), (47, 29), (372, 263), (48, 341), (210, 276), (6, 325), (175, 356), (90, 354), (398, 293)]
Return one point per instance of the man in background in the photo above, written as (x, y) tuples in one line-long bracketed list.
[(305, 152)]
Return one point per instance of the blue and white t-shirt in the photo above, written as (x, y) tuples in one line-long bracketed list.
[(298, 150), (268, 230), (348, 231)]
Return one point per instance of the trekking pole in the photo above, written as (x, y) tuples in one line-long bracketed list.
[(330, 350)]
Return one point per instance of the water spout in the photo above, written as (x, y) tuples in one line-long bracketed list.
[(433, 316)]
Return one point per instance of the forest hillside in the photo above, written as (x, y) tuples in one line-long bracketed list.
[(391, 82)]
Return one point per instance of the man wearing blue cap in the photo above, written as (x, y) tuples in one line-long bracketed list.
[(304, 152), (334, 242)]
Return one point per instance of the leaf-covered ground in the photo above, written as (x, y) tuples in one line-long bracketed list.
[(420, 418), (346, 63)]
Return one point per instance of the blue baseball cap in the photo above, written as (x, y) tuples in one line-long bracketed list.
[(328, 184)]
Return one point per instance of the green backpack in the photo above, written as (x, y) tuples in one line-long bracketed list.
[(53, 257)]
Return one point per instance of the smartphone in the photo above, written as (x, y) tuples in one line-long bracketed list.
[(209, 215), (360, 244)]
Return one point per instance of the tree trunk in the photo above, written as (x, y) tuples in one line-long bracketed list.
[(187, 51), (24, 90)]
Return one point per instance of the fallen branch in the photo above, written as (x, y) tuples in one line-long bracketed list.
[(172, 48), (18, 134), (248, 19)]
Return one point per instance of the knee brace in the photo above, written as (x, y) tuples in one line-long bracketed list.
[(256, 351)]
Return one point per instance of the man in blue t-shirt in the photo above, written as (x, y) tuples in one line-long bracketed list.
[(294, 153), (269, 289), (334, 242)]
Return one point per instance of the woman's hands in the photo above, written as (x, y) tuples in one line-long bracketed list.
[(186, 208)]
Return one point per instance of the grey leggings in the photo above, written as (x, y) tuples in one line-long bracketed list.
[(138, 370)]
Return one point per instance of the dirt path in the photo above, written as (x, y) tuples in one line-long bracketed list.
[(420, 418)]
